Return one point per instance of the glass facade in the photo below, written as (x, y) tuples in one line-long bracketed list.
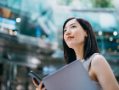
[(103, 22), (31, 38)]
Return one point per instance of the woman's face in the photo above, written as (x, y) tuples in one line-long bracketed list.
[(74, 34)]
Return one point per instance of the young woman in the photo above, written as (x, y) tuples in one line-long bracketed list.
[(79, 43)]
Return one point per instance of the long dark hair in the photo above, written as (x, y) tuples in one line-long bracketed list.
[(90, 46)]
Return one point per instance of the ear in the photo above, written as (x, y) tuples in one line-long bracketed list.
[(86, 35)]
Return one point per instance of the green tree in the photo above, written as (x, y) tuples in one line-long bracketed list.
[(102, 3), (65, 2), (95, 3)]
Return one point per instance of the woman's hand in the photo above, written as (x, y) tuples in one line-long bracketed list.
[(39, 86)]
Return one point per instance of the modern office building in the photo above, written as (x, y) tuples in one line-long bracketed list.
[(31, 38)]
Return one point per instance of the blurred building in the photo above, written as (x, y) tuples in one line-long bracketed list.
[(31, 38)]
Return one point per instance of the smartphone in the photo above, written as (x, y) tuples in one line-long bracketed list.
[(35, 77)]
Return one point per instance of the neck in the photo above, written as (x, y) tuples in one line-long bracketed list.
[(79, 50)]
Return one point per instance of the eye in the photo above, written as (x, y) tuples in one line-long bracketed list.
[(73, 26), (65, 30)]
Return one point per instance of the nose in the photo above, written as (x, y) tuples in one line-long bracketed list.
[(68, 32)]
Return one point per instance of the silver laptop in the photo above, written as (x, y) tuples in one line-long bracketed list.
[(71, 77)]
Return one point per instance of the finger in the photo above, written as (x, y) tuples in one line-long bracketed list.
[(40, 85), (35, 83), (44, 88)]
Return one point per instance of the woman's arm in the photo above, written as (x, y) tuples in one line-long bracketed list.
[(103, 73)]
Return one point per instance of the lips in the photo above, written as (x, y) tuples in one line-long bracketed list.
[(69, 37)]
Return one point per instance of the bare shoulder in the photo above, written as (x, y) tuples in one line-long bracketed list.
[(99, 65), (103, 72), (99, 60)]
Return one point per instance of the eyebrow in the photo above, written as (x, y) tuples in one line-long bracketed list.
[(70, 25)]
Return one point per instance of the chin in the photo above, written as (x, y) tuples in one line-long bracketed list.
[(70, 46)]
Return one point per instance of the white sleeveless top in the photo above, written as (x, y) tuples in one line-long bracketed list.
[(86, 66)]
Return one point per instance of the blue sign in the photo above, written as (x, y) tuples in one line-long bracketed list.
[(38, 33), (7, 23)]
